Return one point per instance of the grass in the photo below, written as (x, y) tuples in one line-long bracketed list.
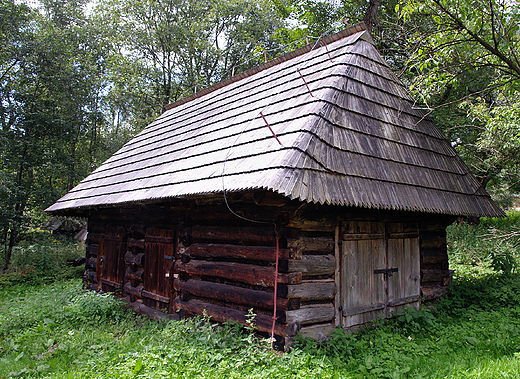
[(54, 329)]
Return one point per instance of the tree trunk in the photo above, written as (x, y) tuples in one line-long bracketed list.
[(370, 18)]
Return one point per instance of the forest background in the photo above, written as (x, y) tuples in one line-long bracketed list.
[(79, 78)]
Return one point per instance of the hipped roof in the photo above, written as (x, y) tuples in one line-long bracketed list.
[(344, 132)]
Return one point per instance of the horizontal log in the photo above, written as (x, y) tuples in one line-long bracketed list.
[(311, 314), (92, 249), (135, 291), (93, 238), (134, 275), (434, 259), (432, 241), (159, 239), (309, 290), (302, 245), (250, 274), (259, 253), (218, 313), (151, 313), (154, 296), (237, 295), (110, 283), (434, 275), (134, 259), (433, 292), (132, 242), (91, 263), (320, 333), (246, 235), (310, 265)]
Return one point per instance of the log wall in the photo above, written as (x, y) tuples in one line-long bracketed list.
[(215, 263)]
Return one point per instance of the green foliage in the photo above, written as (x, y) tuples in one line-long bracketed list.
[(43, 257), (491, 245)]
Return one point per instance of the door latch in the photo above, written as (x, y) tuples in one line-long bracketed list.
[(388, 272)]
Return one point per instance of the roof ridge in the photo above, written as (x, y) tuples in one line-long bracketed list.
[(282, 58)]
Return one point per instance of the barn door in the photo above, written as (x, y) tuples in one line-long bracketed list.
[(158, 261), (110, 264), (379, 270)]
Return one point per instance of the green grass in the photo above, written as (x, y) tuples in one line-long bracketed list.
[(52, 328)]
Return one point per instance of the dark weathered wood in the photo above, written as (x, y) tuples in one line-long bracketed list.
[(91, 263), (134, 259), (154, 296), (134, 275), (132, 242), (151, 313), (433, 275), (135, 291), (92, 249), (237, 295), (324, 245), (110, 283), (433, 292), (251, 274), (320, 333), (262, 322), (432, 241), (362, 236), (310, 265), (247, 235), (363, 309), (259, 253), (309, 290), (311, 314)]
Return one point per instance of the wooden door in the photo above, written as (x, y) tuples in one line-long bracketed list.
[(111, 250), (379, 270), (158, 261), (403, 253)]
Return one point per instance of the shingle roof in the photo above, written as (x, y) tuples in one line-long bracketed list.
[(352, 138)]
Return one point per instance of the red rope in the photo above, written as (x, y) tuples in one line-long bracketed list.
[(271, 129), (326, 47), (305, 82), (275, 288)]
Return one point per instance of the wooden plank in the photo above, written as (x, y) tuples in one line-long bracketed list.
[(364, 309), (362, 236), (237, 295), (403, 301), (310, 265), (404, 235), (246, 235), (154, 296), (259, 253), (135, 291), (110, 283), (310, 290), (251, 274), (311, 314), (218, 313)]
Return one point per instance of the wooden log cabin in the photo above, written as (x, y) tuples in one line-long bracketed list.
[(309, 184)]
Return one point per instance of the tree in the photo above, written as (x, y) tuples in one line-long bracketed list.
[(164, 50), (465, 67), (50, 110)]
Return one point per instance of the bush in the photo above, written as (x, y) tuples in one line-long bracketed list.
[(43, 258)]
